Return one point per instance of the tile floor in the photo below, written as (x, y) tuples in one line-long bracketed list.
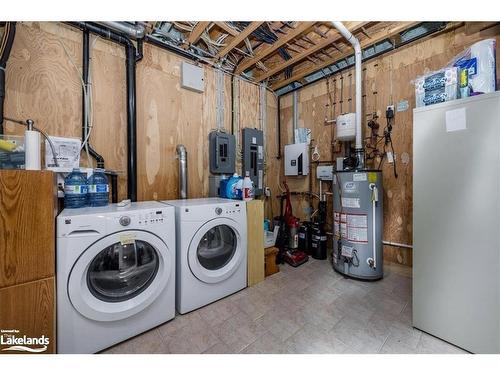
[(309, 309)]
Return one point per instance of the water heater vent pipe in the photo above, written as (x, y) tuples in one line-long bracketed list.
[(183, 176), (357, 61)]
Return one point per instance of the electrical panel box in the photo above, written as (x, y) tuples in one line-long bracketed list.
[(192, 77), (297, 159), (222, 150), (324, 172), (346, 127), (253, 157)]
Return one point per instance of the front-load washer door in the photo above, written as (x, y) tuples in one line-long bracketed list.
[(215, 251), (120, 275)]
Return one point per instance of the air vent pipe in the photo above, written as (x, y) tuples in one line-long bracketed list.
[(133, 31), (183, 176), (360, 154)]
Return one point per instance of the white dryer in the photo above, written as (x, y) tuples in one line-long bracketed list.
[(211, 250), (115, 274)]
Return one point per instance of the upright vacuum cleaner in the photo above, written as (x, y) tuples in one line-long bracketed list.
[(288, 240)]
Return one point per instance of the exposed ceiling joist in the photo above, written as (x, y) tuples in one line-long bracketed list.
[(375, 38), (293, 33), (238, 39), (228, 29), (197, 31), (334, 36)]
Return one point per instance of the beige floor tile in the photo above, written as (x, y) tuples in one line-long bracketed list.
[(255, 304), (265, 344), (359, 334), (219, 348), (311, 340), (402, 339), (195, 338), (239, 331), (218, 312), (147, 343), (432, 345), (309, 309), (281, 323)]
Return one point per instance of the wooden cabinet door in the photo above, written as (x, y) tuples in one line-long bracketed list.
[(27, 226), (29, 309)]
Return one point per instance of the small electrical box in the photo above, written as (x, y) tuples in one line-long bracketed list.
[(346, 127), (222, 150), (253, 157), (192, 77), (324, 172), (297, 159), (339, 164)]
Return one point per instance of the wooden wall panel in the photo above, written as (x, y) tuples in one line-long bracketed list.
[(43, 84), (387, 79)]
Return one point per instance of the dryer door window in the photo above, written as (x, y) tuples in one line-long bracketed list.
[(216, 250), (217, 247), (122, 271)]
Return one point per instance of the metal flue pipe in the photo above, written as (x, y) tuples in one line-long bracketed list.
[(133, 31), (357, 61), (183, 175)]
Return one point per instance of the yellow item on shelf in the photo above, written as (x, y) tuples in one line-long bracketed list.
[(7, 146)]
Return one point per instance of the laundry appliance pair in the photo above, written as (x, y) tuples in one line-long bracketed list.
[(124, 269)]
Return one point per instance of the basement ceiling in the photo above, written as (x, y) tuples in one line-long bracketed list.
[(285, 55)]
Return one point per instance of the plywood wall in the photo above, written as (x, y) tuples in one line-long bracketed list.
[(387, 80), (43, 84)]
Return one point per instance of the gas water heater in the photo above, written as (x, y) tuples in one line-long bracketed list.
[(358, 224)]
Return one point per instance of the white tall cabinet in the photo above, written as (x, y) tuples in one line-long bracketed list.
[(456, 222)]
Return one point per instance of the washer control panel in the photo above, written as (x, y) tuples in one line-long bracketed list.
[(148, 218)]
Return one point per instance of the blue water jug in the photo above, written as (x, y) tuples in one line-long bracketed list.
[(228, 187), (75, 189), (98, 189)]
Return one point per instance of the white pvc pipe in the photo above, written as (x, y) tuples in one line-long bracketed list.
[(357, 61), (295, 114), (398, 244)]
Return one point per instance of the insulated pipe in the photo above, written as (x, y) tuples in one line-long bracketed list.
[(357, 61), (131, 59), (183, 176), (133, 31)]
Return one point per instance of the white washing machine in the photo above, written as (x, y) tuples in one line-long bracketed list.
[(115, 274), (211, 250)]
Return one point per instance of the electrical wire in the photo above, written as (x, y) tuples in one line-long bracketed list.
[(88, 98)]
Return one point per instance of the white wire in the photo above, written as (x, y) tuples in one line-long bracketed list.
[(89, 92)]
